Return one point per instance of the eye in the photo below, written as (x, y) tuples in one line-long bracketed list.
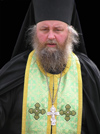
[(58, 29), (44, 29)]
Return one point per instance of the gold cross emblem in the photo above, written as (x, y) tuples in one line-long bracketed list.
[(67, 112), (37, 111)]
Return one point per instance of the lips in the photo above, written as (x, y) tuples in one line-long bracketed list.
[(51, 45)]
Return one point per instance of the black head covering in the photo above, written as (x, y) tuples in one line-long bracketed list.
[(53, 10), (40, 10)]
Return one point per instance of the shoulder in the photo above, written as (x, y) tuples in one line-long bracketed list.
[(88, 65), (20, 57), (90, 73), (12, 73)]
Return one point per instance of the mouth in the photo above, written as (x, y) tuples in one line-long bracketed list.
[(51, 45)]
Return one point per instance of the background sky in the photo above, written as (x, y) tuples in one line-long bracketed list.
[(12, 13)]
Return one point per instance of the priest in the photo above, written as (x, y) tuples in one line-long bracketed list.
[(50, 85)]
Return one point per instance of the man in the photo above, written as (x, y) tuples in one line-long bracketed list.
[(50, 89)]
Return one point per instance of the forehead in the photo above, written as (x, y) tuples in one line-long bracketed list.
[(51, 23)]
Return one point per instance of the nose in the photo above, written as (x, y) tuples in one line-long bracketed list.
[(51, 35)]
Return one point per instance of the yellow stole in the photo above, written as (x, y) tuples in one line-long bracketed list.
[(37, 101)]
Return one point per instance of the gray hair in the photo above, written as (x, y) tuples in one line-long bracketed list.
[(73, 36)]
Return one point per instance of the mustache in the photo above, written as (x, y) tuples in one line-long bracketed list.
[(51, 42)]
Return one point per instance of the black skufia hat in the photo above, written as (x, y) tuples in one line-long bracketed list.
[(40, 10), (53, 10)]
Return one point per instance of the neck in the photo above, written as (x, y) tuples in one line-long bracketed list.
[(57, 71)]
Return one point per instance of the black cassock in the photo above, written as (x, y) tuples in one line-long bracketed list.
[(11, 94)]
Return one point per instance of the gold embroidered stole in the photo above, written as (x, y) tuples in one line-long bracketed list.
[(37, 101)]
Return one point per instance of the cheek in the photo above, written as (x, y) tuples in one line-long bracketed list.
[(61, 39), (63, 36), (41, 37)]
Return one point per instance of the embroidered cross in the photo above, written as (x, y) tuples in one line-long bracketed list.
[(53, 113), (37, 111), (67, 113)]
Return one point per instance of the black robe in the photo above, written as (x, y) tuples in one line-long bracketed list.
[(11, 94)]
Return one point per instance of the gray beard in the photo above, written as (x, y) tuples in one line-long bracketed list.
[(53, 60)]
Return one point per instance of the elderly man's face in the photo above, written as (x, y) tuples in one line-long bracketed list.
[(56, 31), (53, 43)]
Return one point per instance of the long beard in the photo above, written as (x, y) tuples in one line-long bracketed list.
[(53, 60)]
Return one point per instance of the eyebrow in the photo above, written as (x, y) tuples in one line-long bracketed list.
[(54, 27), (59, 26), (44, 27)]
